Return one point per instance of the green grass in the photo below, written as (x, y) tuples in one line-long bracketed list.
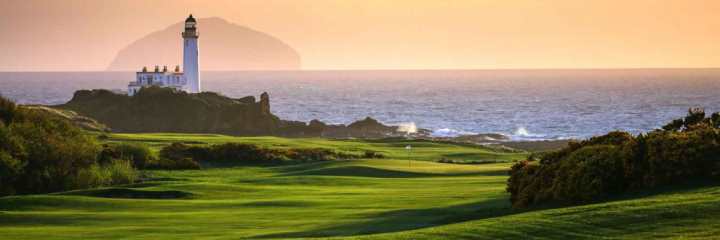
[(373, 199), (421, 149)]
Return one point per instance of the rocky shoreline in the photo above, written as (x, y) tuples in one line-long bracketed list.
[(165, 110)]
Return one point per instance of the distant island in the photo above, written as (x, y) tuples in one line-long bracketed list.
[(226, 46)]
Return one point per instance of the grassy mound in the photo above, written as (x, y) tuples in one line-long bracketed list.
[(391, 148)]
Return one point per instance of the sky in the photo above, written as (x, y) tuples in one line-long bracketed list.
[(85, 35)]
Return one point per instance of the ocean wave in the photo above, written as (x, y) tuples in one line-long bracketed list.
[(523, 134), (449, 132), (408, 128)]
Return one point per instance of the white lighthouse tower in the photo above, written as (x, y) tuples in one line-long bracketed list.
[(191, 64), (189, 81)]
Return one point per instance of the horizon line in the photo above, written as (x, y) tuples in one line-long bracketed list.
[(389, 70)]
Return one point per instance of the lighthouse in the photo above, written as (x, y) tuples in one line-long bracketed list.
[(191, 64), (189, 81)]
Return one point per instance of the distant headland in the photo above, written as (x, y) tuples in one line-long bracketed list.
[(225, 46)]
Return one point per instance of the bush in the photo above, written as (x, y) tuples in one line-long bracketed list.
[(238, 153), (316, 155), (41, 152), (686, 149), (242, 153), (589, 173), (138, 154), (53, 149), (372, 155), (8, 110), (175, 164), (120, 172), (10, 168), (175, 151), (114, 173), (179, 156)]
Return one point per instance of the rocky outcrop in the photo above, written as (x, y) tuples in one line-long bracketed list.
[(165, 110)]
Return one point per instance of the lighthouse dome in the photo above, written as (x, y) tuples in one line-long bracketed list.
[(190, 19)]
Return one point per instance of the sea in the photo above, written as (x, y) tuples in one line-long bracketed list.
[(522, 104)]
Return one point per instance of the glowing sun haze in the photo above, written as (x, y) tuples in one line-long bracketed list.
[(69, 35)]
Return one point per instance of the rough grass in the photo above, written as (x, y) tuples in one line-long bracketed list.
[(364, 199)]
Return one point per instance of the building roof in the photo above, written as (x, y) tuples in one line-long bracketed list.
[(161, 73)]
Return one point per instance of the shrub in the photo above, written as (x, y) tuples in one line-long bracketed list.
[(602, 166), (10, 168), (589, 173), (41, 152), (178, 156), (372, 154), (8, 110), (120, 172), (245, 153), (175, 164), (315, 155), (175, 151), (138, 154), (238, 153), (54, 151), (113, 173)]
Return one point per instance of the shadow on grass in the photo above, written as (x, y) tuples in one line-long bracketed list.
[(272, 204), (679, 188), (130, 193), (474, 157), (404, 220), (44, 220), (363, 171)]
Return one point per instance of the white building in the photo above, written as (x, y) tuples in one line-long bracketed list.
[(188, 81)]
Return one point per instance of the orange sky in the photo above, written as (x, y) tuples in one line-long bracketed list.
[(66, 35)]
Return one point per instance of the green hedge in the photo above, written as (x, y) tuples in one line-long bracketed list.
[(249, 154)]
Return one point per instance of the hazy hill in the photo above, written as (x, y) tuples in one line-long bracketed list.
[(223, 46)]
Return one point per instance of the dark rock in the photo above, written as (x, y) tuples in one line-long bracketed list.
[(247, 100), (165, 110), (157, 109)]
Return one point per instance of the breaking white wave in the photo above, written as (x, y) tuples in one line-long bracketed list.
[(448, 132), (522, 133), (407, 128)]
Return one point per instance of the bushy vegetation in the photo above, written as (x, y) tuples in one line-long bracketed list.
[(41, 152), (115, 172), (138, 154), (686, 149), (240, 153)]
